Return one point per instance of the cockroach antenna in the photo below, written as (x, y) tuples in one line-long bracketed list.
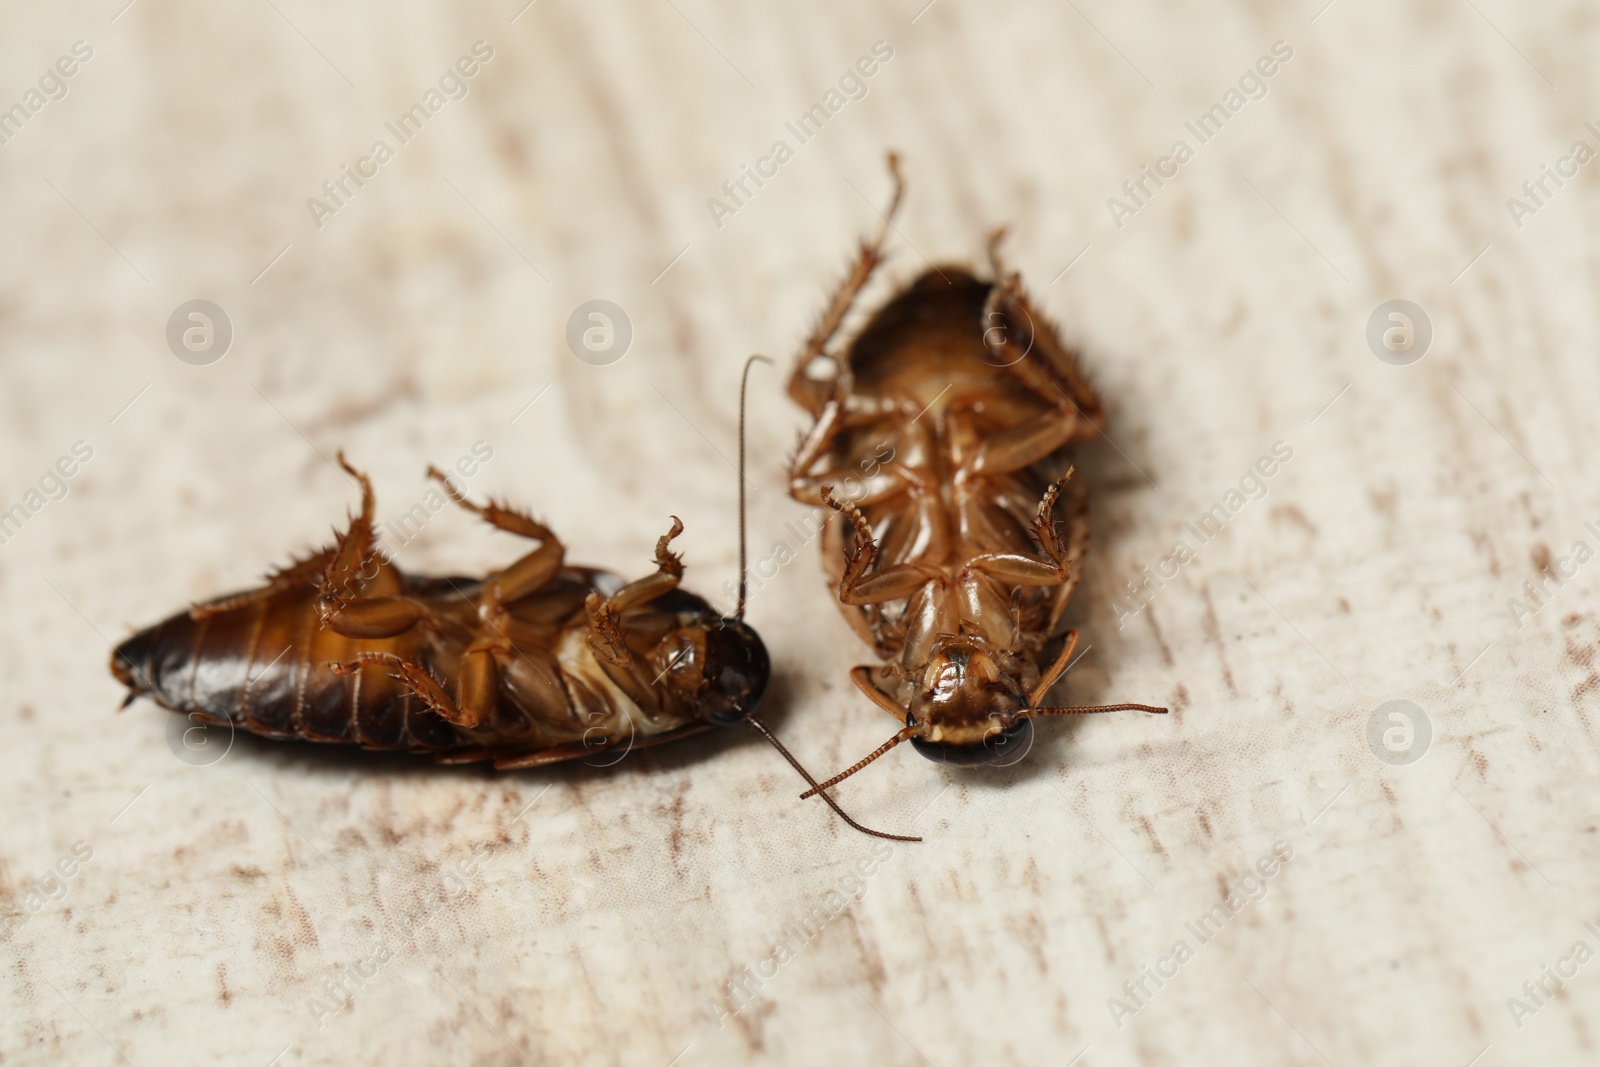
[(760, 728), (744, 382), (784, 752), (817, 790)]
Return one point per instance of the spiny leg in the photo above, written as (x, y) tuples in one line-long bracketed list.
[(1052, 567), (525, 576), (295, 575), (811, 393), (1025, 344), (354, 560), (605, 636), (813, 445), (861, 585), (477, 687), (1009, 298), (1072, 386), (930, 609), (414, 676), (1046, 531), (349, 567)]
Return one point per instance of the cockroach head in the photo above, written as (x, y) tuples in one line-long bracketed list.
[(720, 670), (736, 672), (969, 708)]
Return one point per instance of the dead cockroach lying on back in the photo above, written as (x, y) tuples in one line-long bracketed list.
[(535, 663), (950, 561)]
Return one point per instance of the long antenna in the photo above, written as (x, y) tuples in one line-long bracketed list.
[(807, 776), (1031, 712), (744, 381), (817, 790)]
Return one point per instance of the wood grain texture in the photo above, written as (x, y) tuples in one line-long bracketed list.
[(589, 915)]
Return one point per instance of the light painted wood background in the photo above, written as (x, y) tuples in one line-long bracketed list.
[(1226, 315)]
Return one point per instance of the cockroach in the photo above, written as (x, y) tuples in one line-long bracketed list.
[(961, 405), (536, 663)]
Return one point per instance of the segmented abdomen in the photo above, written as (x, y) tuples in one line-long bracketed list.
[(264, 666)]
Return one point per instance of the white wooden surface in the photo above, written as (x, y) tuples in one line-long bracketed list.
[(1223, 317)]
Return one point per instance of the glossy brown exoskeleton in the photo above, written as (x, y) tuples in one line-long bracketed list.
[(962, 406), (536, 663)]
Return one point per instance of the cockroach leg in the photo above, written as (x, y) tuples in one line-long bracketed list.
[(605, 633), (527, 575), (352, 564), (500, 516), (1012, 332), (523, 762), (813, 446), (415, 677), (1024, 342), (669, 572), (1021, 569), (858, 587), (478, 679), (296, 575), (369, 618), (862, 676), (353, 561), (1049, 677), (524, 577), (605, 637), (996, 264), (1045, 530), (866, 550), (1021, 446), (811, 393)]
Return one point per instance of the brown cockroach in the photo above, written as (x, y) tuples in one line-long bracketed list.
[(536, 663), (962, 404)]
